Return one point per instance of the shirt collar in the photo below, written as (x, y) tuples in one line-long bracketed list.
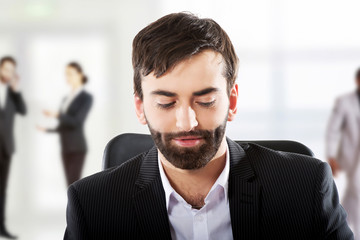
[(3, 85), (221, 181), (77, 91)]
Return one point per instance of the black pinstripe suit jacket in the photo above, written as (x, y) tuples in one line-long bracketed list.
[(71, 124), (14, 103), (272, 195)]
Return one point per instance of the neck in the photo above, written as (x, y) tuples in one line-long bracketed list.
[(194, 185), (75, 88)]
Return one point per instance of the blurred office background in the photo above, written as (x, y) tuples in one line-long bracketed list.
[(295, 58)]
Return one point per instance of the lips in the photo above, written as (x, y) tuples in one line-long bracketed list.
[(188, 141)]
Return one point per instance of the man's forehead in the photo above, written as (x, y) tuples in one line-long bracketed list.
[(175, 87), (8, 64), (196, 74)]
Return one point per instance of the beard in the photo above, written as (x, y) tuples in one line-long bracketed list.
[(189, 158)]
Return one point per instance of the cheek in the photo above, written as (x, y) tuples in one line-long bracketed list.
[(6, 73), (212, 118), (72, 79), (160, 120)]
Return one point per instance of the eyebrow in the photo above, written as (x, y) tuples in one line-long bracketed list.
[(197, 93), (163, 93), (205, 91)]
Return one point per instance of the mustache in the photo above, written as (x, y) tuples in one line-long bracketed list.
[(199, 133)]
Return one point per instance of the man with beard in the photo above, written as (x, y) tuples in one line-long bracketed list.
[(196, 183), (11, 102)]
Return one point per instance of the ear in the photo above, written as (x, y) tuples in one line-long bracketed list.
[(234, 94), (357, 81), (139, 109)]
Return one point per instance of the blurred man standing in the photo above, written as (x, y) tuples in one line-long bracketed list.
[(11, 102), (343, 149)]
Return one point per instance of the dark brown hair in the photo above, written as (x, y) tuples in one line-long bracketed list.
[(7, 59), (78, 68), (357, 74), (175, 37)]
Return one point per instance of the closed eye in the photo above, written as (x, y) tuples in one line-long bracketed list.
[(206, 104), (166, 106)]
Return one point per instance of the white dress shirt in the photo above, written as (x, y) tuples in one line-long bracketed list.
[(212, 221), (68, 100), (3, 93)]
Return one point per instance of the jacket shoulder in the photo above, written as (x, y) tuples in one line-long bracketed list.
[(121, 177), (345, 97), (294, 183), (87, 95), (281, 164)]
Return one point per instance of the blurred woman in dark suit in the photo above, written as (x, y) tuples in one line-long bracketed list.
[(73, 111)]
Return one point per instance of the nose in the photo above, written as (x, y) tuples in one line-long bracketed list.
[(186, 118)]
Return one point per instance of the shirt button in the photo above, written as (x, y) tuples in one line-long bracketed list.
[(199, 218)]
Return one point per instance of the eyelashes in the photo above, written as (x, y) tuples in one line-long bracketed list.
[(170, 105), (206, 104), (166, 106)]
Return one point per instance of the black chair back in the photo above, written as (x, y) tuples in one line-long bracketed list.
[(126, 146)]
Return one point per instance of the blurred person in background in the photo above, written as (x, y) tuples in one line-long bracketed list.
[(343, 149), (11, 102), (72, 115)]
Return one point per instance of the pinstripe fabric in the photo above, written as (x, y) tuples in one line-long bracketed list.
[(243, 195), (149, 200), (272, 195)]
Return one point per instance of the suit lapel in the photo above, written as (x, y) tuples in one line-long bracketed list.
[(149, 200), (6, 99), (75, 101), (244, 195)]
